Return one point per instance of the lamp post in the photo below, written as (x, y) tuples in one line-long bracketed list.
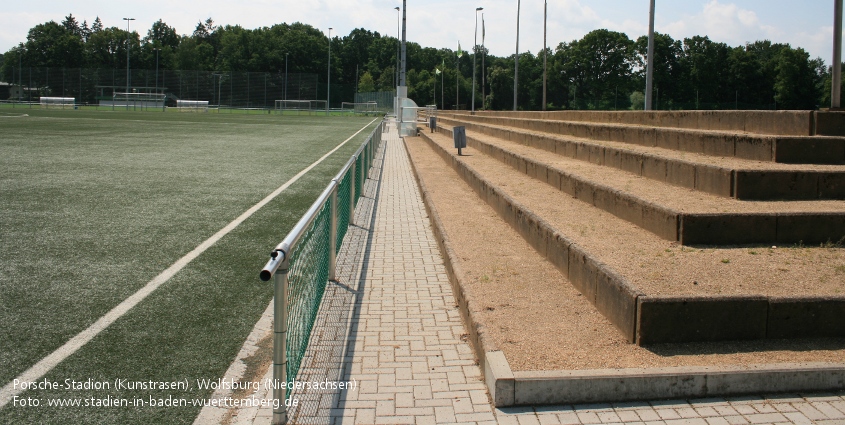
[(127, 52), (329, 73), (836, 74), (158, 50), (20, 73), (516, 57), (398, 43), (474, 54), (545, 49), (649, 72), (483, 56), (219, 83)]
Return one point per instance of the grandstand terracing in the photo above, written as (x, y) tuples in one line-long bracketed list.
[(686, 231)]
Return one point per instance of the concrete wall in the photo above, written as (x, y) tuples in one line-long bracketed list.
[(792, 123), (648, 319)]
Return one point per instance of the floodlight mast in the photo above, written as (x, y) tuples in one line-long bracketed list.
[(516, 58), (398, 44), (836, 80), (649, 79), (474, 55), (128, 47), (545, 49), (404, 49), (329, 79)]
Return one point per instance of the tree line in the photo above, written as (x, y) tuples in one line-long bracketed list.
[(603, 70)]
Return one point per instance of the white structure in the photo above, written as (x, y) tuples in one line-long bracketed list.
[(135, 101), (301, 105), (192, 105), (359, 107), (57, 102)]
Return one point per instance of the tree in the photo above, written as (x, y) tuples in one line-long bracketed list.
[(705, 61), (53, 45), (597, 65), (366, 84), (669, 72), (97, 26), (795, 84)]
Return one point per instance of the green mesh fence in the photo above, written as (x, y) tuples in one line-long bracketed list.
[(343, 211), (359, 171), (308, 270), (307, 277)]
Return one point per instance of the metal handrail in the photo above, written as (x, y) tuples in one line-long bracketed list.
[(282, 251), (281, 256)]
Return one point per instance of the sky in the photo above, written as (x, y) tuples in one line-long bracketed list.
[(443, 23)]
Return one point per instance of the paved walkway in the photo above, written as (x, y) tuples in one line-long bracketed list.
[(390, 326)]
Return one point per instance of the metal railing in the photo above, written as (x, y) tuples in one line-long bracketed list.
[(305, 261)]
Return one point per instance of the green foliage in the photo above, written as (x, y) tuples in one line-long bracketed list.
[(637, 101), (600, 71), (366, 84)]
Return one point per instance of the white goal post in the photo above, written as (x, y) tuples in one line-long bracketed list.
[(359, 107), (300, 105), (138, 100), (192, 105), (57, 102)]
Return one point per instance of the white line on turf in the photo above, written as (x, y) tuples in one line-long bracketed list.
[(47, 364)]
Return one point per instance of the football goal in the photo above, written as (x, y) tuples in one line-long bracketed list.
[(192, 105), (138, 100), (300, 105), (359, 107), (57, 102)]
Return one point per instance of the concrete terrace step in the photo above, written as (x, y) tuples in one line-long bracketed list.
[(730, 144), (727, 177), (651, 302), (787, 123), (673, 213)]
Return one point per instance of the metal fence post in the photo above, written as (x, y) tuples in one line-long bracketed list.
[(280, 329), (333, 234), (352, 174)]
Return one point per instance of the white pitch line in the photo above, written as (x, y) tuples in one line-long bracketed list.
[(47, 364)]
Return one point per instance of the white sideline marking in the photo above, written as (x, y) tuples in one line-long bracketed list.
[(47, 364)]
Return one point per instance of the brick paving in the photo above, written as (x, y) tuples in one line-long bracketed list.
[(390, 325)]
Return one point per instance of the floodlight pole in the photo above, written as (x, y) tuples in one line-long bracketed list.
[(329, 78), (516, 57), (483, 56), (128, 47), (404, 47), (545, 49), (158, 50), (398, 44), (836, 80), (474, 55), (286, 76), (649, 79), (20, 73)]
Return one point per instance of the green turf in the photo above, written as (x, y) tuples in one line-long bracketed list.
[(93, 205), (26, 108)]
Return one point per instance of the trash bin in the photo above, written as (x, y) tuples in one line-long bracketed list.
[(459, 134)]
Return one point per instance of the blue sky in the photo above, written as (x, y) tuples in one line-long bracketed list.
[(441, 23)]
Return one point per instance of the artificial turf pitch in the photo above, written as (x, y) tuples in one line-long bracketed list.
[(95, 204)]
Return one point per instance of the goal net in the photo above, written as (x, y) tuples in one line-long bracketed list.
[(138, 100), (192, 105), (359, 107), (57, 102), (300, 105)]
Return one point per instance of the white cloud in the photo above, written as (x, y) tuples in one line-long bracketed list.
[(725, 22)]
